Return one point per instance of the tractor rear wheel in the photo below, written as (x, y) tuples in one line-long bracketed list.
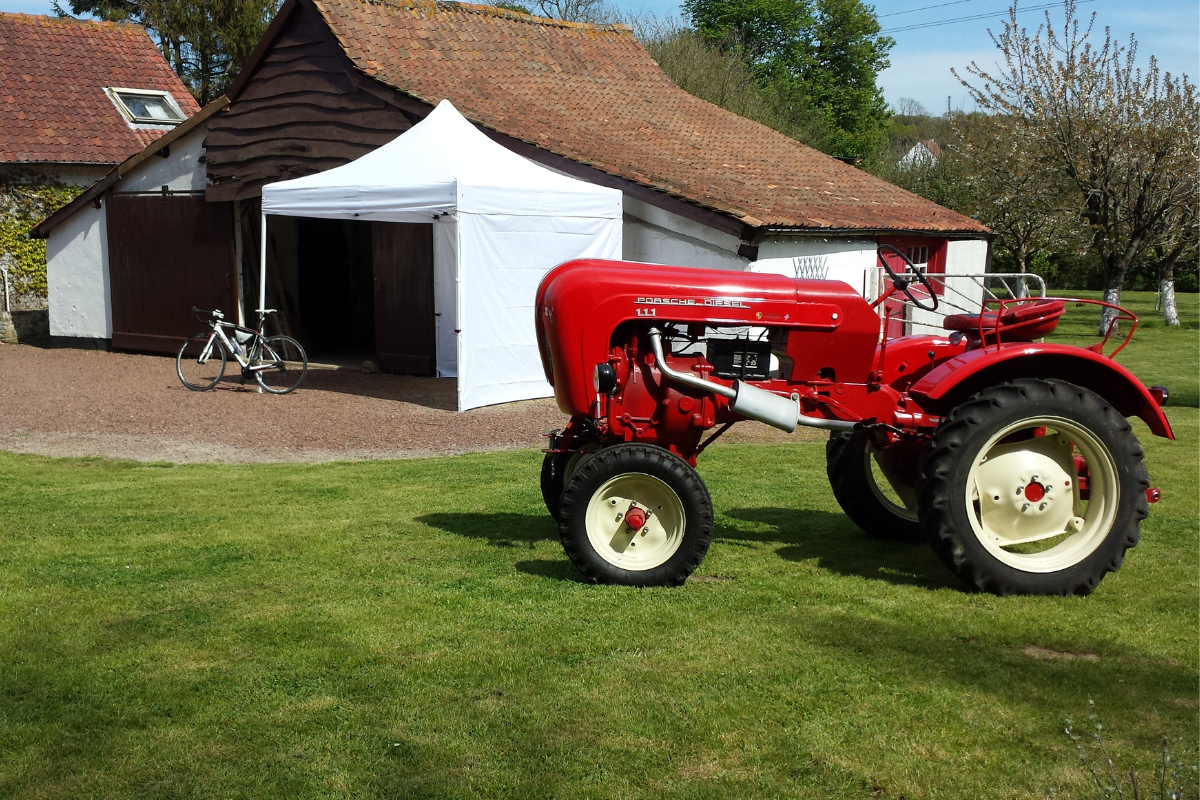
[(882, 505), (635, 515), (1033, 487)]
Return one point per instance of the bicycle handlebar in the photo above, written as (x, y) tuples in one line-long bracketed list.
[(213, 313)]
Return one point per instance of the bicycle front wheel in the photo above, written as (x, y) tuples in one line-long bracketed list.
[(201, 362), (281, 364)]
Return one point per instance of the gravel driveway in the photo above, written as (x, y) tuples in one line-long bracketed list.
[(61, 402)]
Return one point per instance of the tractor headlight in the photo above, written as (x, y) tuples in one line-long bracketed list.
[(604, 378)]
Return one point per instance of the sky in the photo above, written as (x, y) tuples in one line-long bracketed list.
[(923, 57)]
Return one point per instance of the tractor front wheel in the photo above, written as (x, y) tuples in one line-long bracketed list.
[(1033, 487), (635, 515)]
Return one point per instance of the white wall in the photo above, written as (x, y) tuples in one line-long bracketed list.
[(962, 294), (655, 236), (77, 276), (180, 171), (847, 260)]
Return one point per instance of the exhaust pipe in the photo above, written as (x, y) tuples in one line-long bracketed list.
[(750, 401)]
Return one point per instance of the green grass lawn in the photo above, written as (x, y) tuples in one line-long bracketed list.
[(412, 629)]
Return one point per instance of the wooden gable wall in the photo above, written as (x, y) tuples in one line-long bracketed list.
[(304, 109)]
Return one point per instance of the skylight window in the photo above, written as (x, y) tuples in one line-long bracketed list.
[(147, 107)]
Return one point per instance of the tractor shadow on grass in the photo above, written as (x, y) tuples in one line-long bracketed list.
[(515, 531), (801, 535), (836, 545), (519, 531)]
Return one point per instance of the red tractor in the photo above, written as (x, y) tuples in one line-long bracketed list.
[(1012, 458)]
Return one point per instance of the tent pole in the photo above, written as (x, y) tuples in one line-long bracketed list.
[(262, 266)]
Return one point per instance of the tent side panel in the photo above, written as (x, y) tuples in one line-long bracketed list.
[(503, 260), (167, 254), (402, 258), (303, 111)]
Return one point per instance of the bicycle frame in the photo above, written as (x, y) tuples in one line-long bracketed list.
[(257, 341)]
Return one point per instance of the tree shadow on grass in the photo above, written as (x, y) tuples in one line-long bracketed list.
[(838, 546)]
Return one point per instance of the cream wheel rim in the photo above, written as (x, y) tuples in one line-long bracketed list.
[(1023, 497), (616, 541), (906, 509)]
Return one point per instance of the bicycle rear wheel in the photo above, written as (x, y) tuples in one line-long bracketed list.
[(285, 362), (201, 362)]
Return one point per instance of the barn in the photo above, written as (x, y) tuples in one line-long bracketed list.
[(333, 80)]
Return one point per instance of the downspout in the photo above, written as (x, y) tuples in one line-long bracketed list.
[(237, 255)]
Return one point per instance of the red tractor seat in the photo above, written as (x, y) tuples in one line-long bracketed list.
[(1020, 322)]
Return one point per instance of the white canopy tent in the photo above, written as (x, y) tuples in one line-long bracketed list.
[(500, 223)]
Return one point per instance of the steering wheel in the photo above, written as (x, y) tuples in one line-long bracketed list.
[(902, 283)]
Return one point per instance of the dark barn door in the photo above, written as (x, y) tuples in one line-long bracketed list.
[(165, 255), (402, 258)]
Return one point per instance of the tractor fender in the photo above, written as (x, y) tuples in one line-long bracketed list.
[(953, 381)]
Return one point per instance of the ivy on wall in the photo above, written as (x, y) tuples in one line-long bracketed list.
[(23, 205)]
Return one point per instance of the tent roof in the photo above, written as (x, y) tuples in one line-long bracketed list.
[(441, 164)]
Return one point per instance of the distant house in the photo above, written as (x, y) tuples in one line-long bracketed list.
[(332, 80), (77, 98), (924, 153)]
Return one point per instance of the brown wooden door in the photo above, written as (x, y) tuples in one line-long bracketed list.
[(165, 255), (402, 261)]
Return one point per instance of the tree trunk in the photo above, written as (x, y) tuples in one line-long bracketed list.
[(1116, 266), (1166, 285), (1170, 313), (1017, 286), (1108, 316), (1020, 288)]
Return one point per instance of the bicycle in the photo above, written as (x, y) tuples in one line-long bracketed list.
[(278, 363)]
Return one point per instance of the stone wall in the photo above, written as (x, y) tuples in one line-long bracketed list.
[(28, 194), (31, 326)]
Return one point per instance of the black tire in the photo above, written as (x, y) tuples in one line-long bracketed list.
[(554, 467), (848, 463), (289, 365), (1109, 526), (653, 476), (557, 469), (197, 376)]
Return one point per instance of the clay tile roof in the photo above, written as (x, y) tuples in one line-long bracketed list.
[(52, 77), (594, 95)]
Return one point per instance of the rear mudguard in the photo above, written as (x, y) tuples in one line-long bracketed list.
[(953, 381)]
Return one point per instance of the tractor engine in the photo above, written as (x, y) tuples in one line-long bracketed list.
[(667, 384)]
